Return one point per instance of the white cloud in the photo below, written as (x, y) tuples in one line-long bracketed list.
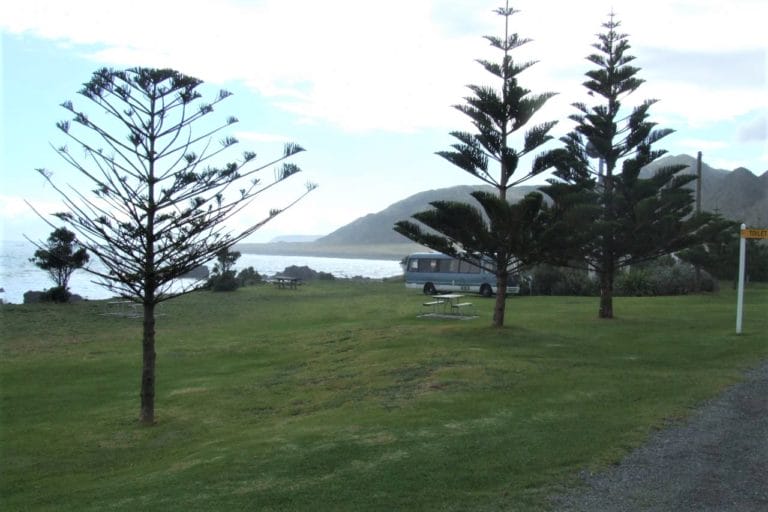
[(699, 106), (398, 65), (261, 137), (727, 164), (692, 146), (14, 207), (18, 219), (755, 130)]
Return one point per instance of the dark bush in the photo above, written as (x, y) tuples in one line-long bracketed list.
[(325, 276), (249, 277), (635, 283), (544, 279), (226, 282), (662, 277), (549, 280), (56, 294), (575, 282)]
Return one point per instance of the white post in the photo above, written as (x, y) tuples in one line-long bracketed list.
[(740, 296)]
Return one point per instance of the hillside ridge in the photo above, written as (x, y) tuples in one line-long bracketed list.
[(739, 195)]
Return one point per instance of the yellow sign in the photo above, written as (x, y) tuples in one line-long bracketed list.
[(754, 233)]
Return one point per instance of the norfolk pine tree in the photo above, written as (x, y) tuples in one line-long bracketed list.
[(159, 203), (615, 218), (499, 236)]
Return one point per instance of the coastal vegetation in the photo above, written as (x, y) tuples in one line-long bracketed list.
[(336, 396), (60, 256)]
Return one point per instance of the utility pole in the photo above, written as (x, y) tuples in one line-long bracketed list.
[(698, 183), (697, 268)]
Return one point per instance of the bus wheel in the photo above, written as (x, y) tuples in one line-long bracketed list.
[(429, 289), (486, 290)]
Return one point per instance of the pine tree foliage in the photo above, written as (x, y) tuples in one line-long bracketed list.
[(158, 194), (491, 227), (162, 193), (612, 217)]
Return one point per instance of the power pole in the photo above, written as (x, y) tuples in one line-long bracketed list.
[(697, 268), (698, 183)]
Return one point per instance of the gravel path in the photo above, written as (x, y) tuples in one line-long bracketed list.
[(717, 461)]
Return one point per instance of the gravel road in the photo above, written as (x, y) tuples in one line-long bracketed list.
[(717, 461)]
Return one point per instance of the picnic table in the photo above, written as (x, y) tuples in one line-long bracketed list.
[(123, 308), (284, 281), (448, 304)]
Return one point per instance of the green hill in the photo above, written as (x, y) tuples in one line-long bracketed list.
[(739, 195)]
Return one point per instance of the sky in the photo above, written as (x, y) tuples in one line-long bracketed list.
[(368, 88)]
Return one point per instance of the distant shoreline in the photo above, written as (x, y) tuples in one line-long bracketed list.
[(395, 252)]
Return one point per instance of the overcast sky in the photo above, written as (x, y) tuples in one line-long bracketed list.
[(367, 87)]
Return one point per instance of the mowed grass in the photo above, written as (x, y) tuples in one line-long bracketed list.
[(337, 397)]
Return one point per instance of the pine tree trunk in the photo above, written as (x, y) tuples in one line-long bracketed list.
[(608, 268), (606, 294), (501, 301), (147, 412)]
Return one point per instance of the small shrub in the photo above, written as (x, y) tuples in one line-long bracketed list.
[(662, 278), (549, 280), (249, 277), (635, 283), (57, 294), (225, 282), (544, 279), (325, 276), (575, 282)]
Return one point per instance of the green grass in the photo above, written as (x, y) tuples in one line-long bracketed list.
[(337, 397)]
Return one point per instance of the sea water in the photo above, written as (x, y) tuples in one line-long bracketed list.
[(18, 275)]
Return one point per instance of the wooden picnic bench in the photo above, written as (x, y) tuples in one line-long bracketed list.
[(283, 281), (433, 305), (448, 306), (459, 308), (123, 308)]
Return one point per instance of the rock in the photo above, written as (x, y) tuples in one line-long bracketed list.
[(304, 273), (33, 297), (200, 272)]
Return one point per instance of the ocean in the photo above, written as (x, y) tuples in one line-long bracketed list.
[(18, 275)]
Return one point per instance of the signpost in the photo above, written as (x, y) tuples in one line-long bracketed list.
[(753, 233), (745, 233)]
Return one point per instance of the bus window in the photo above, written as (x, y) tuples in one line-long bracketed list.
[(451, 265), (427, 265), (466, 267)]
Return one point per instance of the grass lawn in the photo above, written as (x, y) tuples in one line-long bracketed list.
[(337, 397)]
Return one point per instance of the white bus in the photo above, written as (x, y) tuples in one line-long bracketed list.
[(433, 272)]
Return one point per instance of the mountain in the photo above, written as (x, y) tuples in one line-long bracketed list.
[(294, 238), (739, 195), (376, 228)]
